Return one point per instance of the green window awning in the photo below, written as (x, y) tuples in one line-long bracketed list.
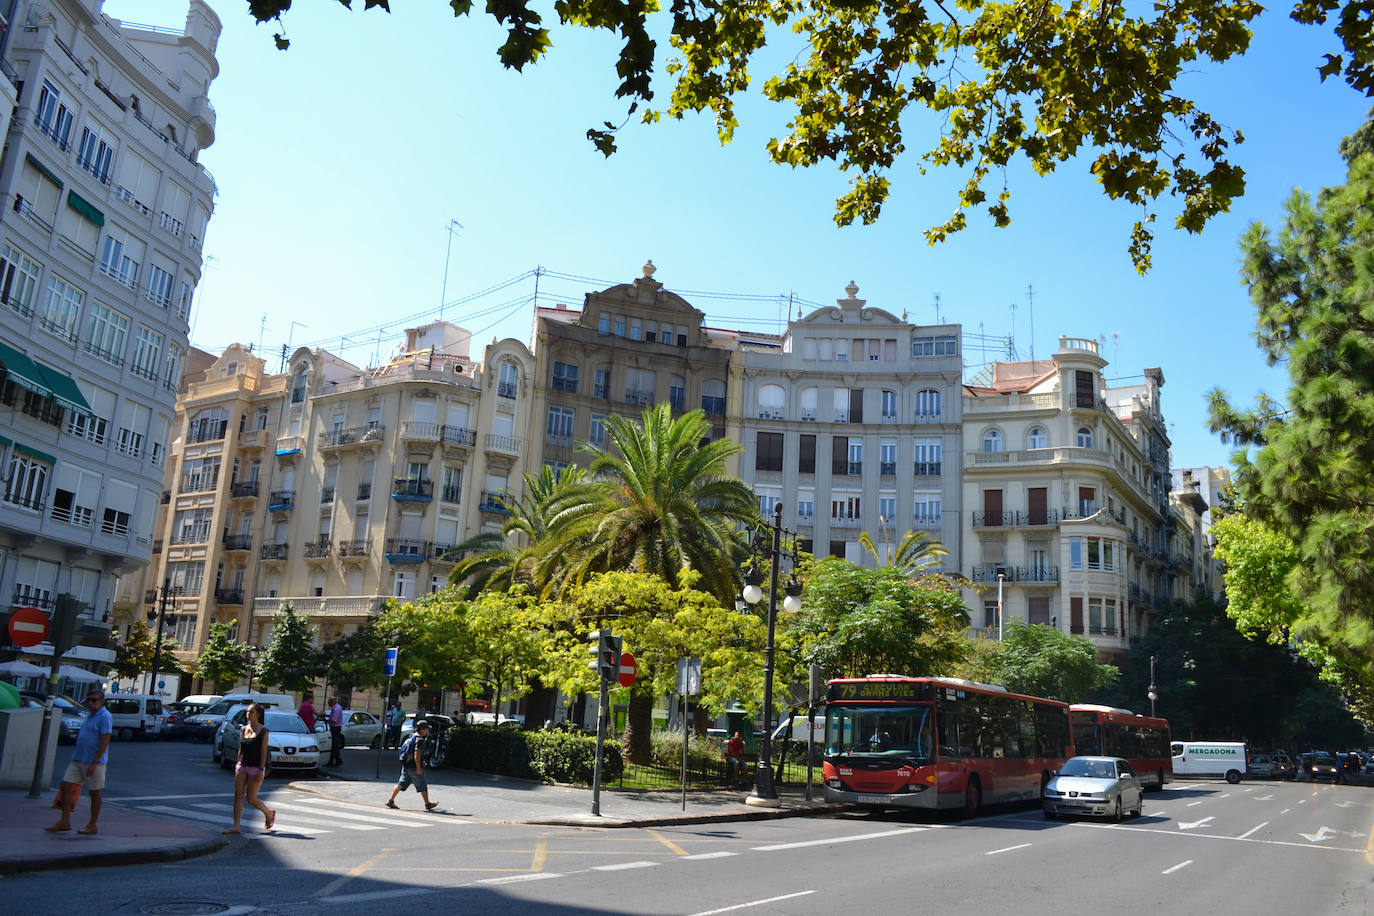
[(23, 372), (34, 453), (85, 208), (4, 442), (33, 161), (64, 390)]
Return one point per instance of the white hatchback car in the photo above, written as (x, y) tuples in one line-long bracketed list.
[(290, 745), (360, 729)]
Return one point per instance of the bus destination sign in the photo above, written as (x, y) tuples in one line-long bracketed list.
[(879, 691)]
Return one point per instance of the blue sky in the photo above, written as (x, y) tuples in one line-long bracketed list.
[(341, 162)]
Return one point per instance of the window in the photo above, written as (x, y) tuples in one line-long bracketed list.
[(887, 509), (768, 498), (1036, 438), (809, 349), (713, 397), (768, 455), (809, 398), (927, 405), (452, 485), (665, 334), (992, 441), (94, 154), (927, 456), (62, 308), (171, 378), (806, 506), (926, 510), (839, 455), (106, 333), (990, 615), (596, 433), (639, 386), (26, 480), (1085, 437), (601, 385), (133, 426), (772, 402), (507, 380), (1087, 501), (18, 279), (208, 425), (1075, 553), (159, 286), (677, 393), (636, 329), (806, 454), (52, 115), (147, 353), (174, 208), (560, 427), (887, 457), (944, 345), (565, 377), (120, 257), (889, 403), (619, 325), (846, 508), (137, 182), (856, 457), (603, 323), (184, 299)]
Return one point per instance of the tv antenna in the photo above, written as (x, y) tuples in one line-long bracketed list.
[(443, 295)]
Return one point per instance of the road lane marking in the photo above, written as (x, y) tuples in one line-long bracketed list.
[(622, 866), (1217, 836), (741, 906), (725, 855), (516, 879), (1193, 825), (292, 819), (1369, 848), (677, 850), (843, 839), (1285, 810), (1322, 835), (1184, 864), (1006, 849), (134, 798), (391, 819), (376, 895), (349, 875), (541, 854), (1252, 830), (1191, 804)]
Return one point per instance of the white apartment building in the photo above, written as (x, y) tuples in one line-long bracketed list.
[(104, 216)]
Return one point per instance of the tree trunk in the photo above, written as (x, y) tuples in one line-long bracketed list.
[(635, 743), (700, 720)]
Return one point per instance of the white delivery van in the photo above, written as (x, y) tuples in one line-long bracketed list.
[(134, 715), (798, 725), (204, 725), (1211, 758)]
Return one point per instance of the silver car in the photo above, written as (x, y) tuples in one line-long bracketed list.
[(1102, 786), (289, 745)]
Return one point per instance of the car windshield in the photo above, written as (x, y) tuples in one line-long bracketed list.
[(896, 731), (1094, 769), (1324, 761), (285, 722)]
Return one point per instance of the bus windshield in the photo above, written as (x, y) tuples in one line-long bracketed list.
[(881, 731)]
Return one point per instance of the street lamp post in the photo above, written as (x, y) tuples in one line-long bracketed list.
[(767, 544), (161, 615), (1153, 691), (1000, 577), (252, 665)]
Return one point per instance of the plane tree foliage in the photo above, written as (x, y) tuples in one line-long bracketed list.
[(1040, 661), (1305, 469), (223, 660), (1038, 82)]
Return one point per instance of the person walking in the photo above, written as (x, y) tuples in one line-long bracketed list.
[(307, 710), (87, 769), (413, 767), (335, 733), (393, 731), (250, 769)]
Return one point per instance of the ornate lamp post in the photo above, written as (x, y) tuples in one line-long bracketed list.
[(252, 665), (160, 615), (767, 545)]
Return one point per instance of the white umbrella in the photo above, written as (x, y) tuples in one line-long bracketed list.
[(73, 673), (22, 669)]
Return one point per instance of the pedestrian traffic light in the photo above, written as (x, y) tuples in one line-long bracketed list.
[(605, 650)]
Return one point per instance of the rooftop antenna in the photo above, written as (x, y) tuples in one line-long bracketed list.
[(262, 328), (443, 295), (210, 261), (937, 309), (1011, 341), (1116, 342), (1030, 304), (287, 346)]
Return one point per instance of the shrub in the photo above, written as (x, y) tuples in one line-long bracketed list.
[(488, 749), (570, 757), (702, 752)]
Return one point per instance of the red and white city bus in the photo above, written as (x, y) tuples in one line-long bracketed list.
[(1112, 732), (923, 742)]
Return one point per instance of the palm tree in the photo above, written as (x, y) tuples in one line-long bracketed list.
[(501, 559), (918, 553), (656, 498)]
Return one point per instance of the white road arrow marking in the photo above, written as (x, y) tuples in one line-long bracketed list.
[(1194, 824), (1344, 804), (1325, 833), (1264, 798)]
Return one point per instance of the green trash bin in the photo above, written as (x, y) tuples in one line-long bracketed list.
[(740, 721)]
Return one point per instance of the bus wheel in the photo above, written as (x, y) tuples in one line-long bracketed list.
[(1233, 776), (973, 797)]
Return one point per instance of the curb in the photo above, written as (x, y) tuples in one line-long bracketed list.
[(113, 857)]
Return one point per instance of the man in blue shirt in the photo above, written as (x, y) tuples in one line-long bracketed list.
[(87, 768)]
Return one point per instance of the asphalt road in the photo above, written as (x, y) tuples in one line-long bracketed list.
[(1201, 847)]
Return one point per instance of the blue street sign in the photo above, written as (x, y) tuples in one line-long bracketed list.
[(389, 666)]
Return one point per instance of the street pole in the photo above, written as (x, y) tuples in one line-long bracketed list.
[(386, 727), (764, 792), (999, 607), (602, 712), (1153, 693), (62, 633), (157, 646)]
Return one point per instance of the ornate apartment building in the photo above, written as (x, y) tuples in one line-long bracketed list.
[(104, 215)]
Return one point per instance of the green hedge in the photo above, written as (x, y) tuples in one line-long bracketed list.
[(551, 756), (703, 752)]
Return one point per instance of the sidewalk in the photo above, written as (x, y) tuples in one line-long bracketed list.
[(126, 837)]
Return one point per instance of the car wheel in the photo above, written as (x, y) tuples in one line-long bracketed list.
[(1233, 777), (126, 734), (376, 744), (215, 754), (1116, 812), (225, 763)]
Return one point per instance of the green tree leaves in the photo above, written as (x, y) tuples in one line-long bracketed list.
[(223, 660), (289, 660), (1043, 662)]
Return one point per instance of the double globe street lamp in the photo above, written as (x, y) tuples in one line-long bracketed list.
[(767, 545)]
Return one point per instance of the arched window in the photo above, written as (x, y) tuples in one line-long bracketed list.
[(992, 440), (809, 399), (298, 384), (208, 425), (927, 404), (507, 380), (1085, 437), (772, 402), (1036, 438)]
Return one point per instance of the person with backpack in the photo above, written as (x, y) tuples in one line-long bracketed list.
[(413, 766)]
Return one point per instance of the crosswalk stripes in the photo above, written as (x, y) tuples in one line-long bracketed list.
[(390, 818), (221, 819), (293, 819), (314, 819)]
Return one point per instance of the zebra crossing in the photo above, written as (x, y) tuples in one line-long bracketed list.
[(317, 818)]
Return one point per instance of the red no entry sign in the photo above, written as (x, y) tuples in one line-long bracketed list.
[(627, 669), (29, 626)]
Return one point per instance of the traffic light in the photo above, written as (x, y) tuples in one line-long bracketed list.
[(605, 650)]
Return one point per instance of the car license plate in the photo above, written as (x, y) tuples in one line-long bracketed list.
[(873, 799), (1074, 801), (290, 760)]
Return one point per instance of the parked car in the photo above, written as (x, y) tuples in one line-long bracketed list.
[(360, 729), (70, 716), (207, 722), (1271, 766), (290, 745), (1105, 786), (174, 722)]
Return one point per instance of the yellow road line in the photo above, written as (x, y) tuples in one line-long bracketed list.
[(352, 873), (1369, 848), (541, 854), (677, 850)]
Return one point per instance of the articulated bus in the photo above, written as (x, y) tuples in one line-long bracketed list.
[(1112, 732), (921, 742)]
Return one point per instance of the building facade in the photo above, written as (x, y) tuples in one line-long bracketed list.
[(104, 218)]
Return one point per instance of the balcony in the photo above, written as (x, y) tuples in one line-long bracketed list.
[(926, 469), (207, 432), (364, 491), (166, 497), (491, 502), (232, 596), (337, 439), (641, 398), (887, 469), (157, 547), (238, 542), (197, 534), (450, 494), (289, 446), (507, 446), (326, 495), (846, 523), (856, 469), (927, 523), (355, 550), (273, 552), (252, 438), (319, 549), (198, 483), (677, 399), (983, 519), (558, 440), (246, 489), (772, 413), (406, 490), (150, 596), (1083, 510), (404, 552), (1037, 574), (808, 415), (281, 500), (505, 389), (713, 407), (922, 417), (841, 416), (443, 553), (806, 521), (419, 431), (888, 418), (458, 435), (339, 607), (991, 573)]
